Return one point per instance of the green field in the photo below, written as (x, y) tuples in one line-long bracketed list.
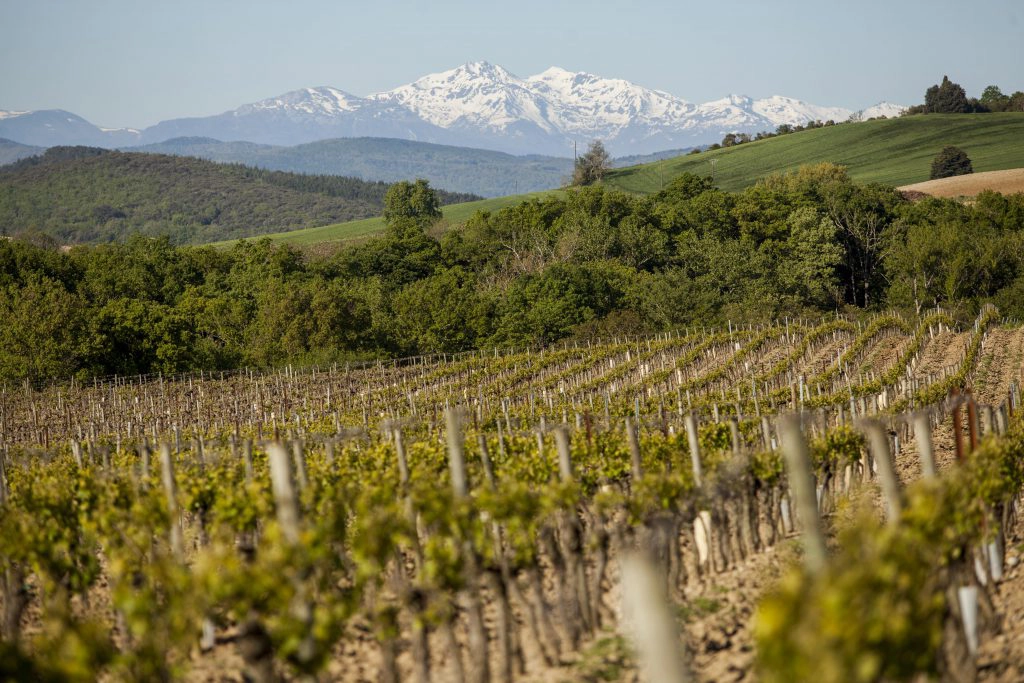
[(891, 151), (454, 214)]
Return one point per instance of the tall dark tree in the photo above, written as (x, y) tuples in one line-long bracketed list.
[(591, 166), (946, 98), (951, 161)]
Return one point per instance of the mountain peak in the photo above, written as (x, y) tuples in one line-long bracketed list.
[(882, 109), (481, 70), (483, 67), (552, 72), (319, 101), (477, 104)]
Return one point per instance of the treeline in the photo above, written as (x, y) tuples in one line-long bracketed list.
[(942, 98), (948, 97), (83, 194), (593, 262), (733, 139)]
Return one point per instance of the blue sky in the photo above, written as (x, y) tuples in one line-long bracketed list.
[(121, 62)]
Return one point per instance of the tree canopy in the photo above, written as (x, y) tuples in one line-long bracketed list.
[(592, 165), (416, 201), (951, 161), (946, 98), (589, 261)]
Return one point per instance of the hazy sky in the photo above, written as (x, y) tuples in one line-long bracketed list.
[(135, 62)]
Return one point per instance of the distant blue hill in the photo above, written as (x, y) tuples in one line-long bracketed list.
[(458, 169)]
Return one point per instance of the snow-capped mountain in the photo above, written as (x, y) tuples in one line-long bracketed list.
[(318, 102), (476, 94), (51, 127), (779, 110), (475, 105), (886, 109)]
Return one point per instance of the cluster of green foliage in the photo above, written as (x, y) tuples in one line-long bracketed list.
[(993, 99), (81, 194), (592, 262), (951, 161), (592, 165), (951, 98), (733, 139)]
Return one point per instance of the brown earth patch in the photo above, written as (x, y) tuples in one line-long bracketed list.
[(1005, 182)]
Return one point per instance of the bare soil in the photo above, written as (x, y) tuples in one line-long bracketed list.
[(1005, 182)]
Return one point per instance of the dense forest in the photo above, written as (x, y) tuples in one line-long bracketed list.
[(85, 194), (593, 262)]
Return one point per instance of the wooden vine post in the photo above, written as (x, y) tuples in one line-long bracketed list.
[(648, 620), (170, 492), (801, 481), (702, 524), (878, 442), (469, 596), (923, 436)]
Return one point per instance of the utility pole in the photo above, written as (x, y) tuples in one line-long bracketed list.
[(713, 162)]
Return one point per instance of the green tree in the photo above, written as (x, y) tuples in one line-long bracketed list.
[(943, 263), (542, 308), (813, 252), (416, 201), (1016, 102), (946, 98), (592, 165), (993, 99), (45, 333), (951, 161), (441, 313)]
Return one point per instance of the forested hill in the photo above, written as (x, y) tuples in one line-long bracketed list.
[(82, 194)]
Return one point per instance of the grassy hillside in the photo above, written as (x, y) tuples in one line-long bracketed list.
[(453, 214), (482, 172), (893, 151), (83, 194), (890, 151)]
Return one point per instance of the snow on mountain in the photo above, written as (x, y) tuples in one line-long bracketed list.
[(780, 110), (475, 94), (317, 102), (886, 109), (731, 114), (583, 102), (567, 106), (477, 104)]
